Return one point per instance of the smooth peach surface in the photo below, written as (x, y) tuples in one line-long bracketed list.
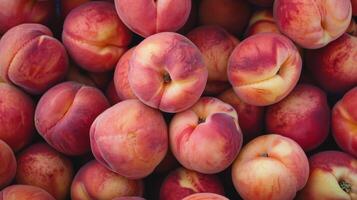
[(262, 21), (183, 182), (31, 58), (16, 117), (147, 17), (95, 182), (337, 61), (270, 167), (205, 196), (303, 116), (333, 175), (264, 68), (40, 165), (262, 2), (8, 164), (167, 72), (95, 37), (111, 94), (209, 129), (312, 24), (65, 113), (24, 192), (131, 146)]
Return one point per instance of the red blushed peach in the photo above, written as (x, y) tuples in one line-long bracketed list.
[(68, 5), (95, 37), (209, 129), (270, 167), (182, 183), (250, 118), (31, 58), (232, 15), (95, 182), (303, 116), (262, 21), (167, 72), (111, 94), (16, 117), (312, 24), (147, 17), (344, 122), (333, 175), (205, 196), (216, 45), (65, 113), (264, 68), (8, 164), (264, 3), (24, 192), (41, 166), (13, 13), (131, 146), (354, 7), (337, 61)]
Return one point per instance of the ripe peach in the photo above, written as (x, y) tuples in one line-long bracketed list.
[(205, 196), (24, 192), (262, 21), (111, 94), (68, 5), (354, 7), (8, 164), (262, 2)]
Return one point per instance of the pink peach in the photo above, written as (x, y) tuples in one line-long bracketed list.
[(8, 164), (24, 192), (205, 196), (262, 21)]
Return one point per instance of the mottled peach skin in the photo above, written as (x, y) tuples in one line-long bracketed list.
[(232, 15), (210, 129), (167, 72), (95, 182), (95, 37), (344, 122), (131, 146), (303, 116), (265, 3), (205, 196), (111, 94), (337, 61), (251, 118), (216, 45), (262, 21), (333, 175), (31, 58), (312, 24), (24, 192), (264, 68), (65, 113), (8, 164), (270, 167), (40, 165), (16, 117), (147, 17), (182, 183)]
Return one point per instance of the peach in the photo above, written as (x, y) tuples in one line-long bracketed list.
[(147, 17), (8, 164), (16, 117), (262, 21), (95, 182), (264, 3), (167, 71), (270, 167), (216, 45), (209, 129), (251, 118), (111, 94), (65, 113), (232, 15), (68, 5), (131, 146), (40, 165), (303, 116), (337, 61), (333, 175), (31, 58), (344, 122), (95, 37), (354, 7), (205, 196), (264, 68), (24, 192), (312, 24)]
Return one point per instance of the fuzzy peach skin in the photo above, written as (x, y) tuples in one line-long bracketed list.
[(333, 175), (95, 182), (205, 196), (216, 45), (167, 71), (264, 68), (337, 61), (148, 17), (65, 113), (8, 164), (265, 3), (111, 94), (95, 37), (31, 58), (312, 23), (303, 116), (131, 146), (40, 165), (16, 117), (24, 192), (270, 167), (251, 118), (209, 129), (262, 21), (344, 122)]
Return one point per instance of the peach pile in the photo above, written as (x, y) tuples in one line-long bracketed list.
[(24, 192), (262, 21), (205, 196), (8, 164)]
